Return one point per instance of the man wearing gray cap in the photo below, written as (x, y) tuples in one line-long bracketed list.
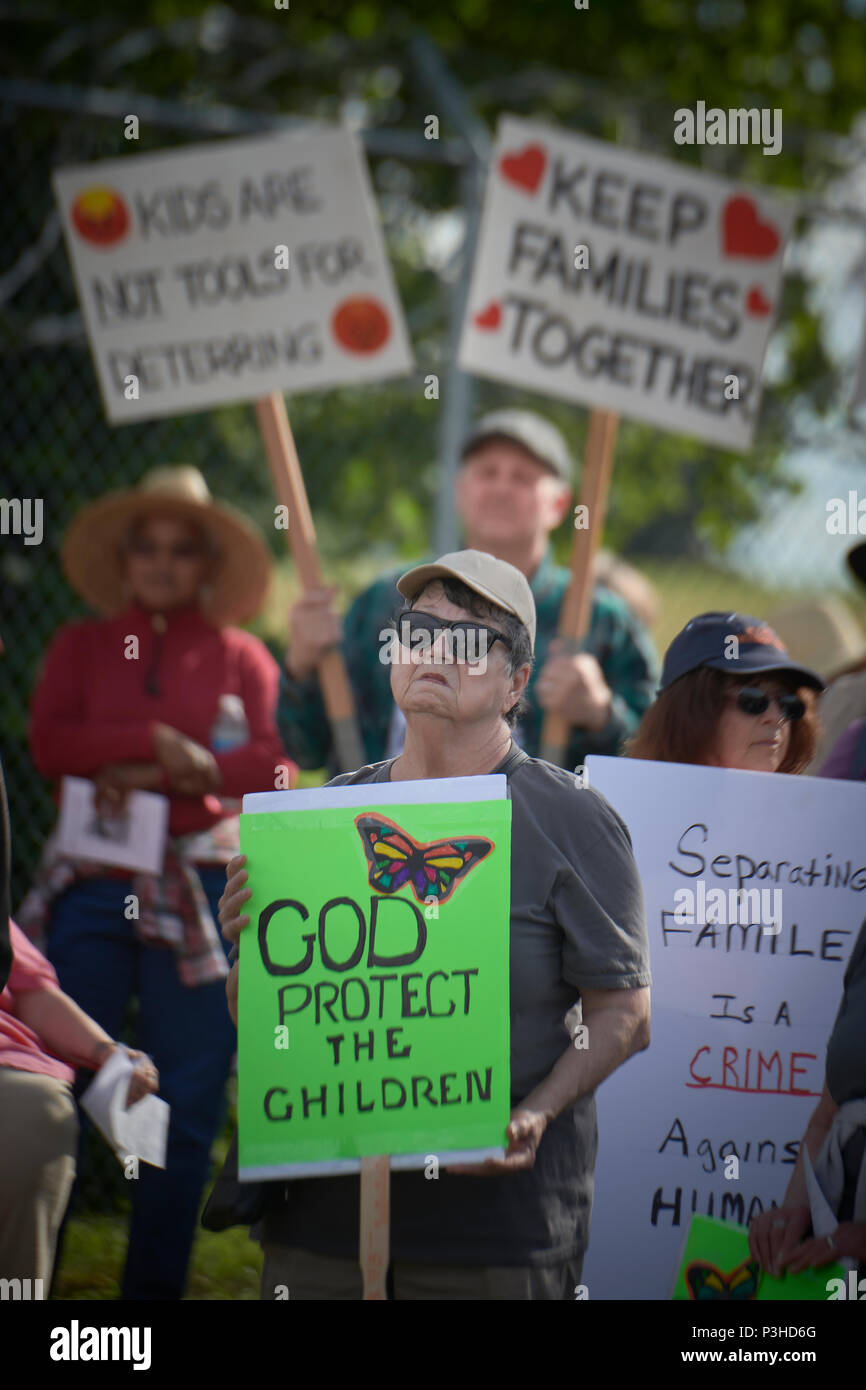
[(512, 490)]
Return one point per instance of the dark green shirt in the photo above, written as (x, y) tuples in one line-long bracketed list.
[(577, 921), (615, 638)]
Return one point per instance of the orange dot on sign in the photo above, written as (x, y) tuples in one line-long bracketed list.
[(361, 325), (100, 216)]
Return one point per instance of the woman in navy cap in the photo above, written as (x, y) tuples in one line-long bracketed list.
[(731, 696)]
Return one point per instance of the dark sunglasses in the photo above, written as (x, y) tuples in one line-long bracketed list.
[(477, 637), (752, 700)]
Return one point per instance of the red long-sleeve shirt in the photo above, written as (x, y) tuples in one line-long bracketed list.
[(91, 705)]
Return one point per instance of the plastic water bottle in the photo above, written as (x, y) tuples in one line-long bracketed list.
[(230, 729)]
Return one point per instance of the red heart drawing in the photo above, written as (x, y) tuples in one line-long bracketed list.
[(526, 168), (489, 318), (743, 232), (756, 303)]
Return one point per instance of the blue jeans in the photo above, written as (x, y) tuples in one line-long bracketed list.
[(187, 1031)]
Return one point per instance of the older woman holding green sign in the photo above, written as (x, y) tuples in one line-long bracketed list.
[(516, 1226)]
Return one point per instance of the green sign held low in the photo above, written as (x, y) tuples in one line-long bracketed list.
[(717, 1266), (374, 1001)]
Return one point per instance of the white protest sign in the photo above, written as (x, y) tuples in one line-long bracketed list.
[(227, 271), (626, 282), (742, 1009)]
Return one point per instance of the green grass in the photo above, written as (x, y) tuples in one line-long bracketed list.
[(225, 1266)]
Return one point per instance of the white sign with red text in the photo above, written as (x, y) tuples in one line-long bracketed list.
[(755, 888), (626, 282), (224, 272)]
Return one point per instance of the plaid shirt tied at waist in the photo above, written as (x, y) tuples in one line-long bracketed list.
[(173, 909)]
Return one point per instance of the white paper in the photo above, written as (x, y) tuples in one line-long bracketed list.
[(422, 791), (142, 1130), (134, 840)]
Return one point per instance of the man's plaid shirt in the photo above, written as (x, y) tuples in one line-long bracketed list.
[(616, 639)]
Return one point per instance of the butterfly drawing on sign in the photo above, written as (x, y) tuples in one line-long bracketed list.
[(431, 870), (705, 1282)]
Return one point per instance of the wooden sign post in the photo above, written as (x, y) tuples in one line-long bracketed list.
[(574, 615), (289, 487), (375, 1224)]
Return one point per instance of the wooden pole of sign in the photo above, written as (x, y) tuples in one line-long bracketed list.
[(375, 1224), (301, 534), (574, 615), (289, 487)]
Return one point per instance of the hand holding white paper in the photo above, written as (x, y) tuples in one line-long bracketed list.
[(139, 1132)]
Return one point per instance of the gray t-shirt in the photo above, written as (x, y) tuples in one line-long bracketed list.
[(577, 921)]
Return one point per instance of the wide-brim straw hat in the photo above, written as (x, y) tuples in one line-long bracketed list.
[(93, 546), (823, 633)]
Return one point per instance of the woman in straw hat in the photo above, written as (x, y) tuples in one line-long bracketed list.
[(159, 693)]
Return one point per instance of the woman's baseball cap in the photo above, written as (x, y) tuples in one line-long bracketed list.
[(495, 580), (707, 641)]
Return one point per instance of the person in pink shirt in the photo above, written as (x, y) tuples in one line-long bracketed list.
[(43, 1036)]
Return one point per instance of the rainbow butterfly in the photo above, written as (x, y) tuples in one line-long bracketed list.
[(705, 1282), (431, 870)]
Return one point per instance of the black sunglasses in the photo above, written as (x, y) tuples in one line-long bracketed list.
[(752, 700), (419, 630)]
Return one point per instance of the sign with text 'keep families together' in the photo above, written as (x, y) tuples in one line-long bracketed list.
[(625, 282), (224, 272), (373, 1009), (755, 889)]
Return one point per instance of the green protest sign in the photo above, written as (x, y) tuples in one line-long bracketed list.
[(373, 1012), (717, 1265)]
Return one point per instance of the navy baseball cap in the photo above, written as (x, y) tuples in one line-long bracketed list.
[(707, 641)]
